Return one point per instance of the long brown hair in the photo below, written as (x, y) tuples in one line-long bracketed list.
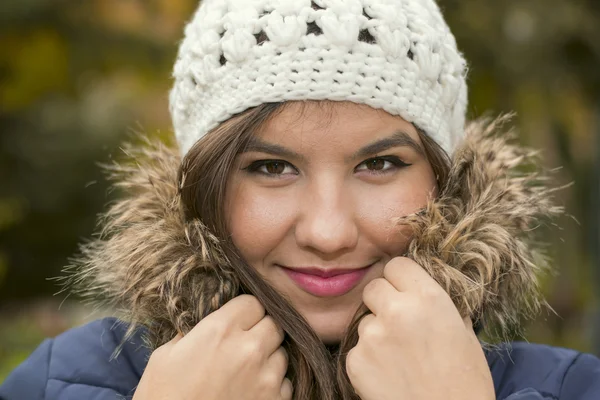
[(316, 372)]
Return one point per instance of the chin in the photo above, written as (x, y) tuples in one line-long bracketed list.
[(329, 318), (331, 331)]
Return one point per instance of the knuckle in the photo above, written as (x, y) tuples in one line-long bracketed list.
[(287, 389), (372, 287), (250, 350), (394, 309), (251, 302), (217, 329), (271, 381), (388, 268), (395, 262), (416, 312), (352, 363), (431, 294), (274, 326), (375, 283), (284, 356), (158, 356), (372, 333)]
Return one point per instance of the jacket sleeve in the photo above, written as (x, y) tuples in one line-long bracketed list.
[(582, 380), (530, 394), (79, 364), (28, 380)]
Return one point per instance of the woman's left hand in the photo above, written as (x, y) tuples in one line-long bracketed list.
[(416, 345)]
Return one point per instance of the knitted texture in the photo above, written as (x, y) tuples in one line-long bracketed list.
[(395, 55)]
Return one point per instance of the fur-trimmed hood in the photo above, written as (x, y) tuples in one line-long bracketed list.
[(165, 273)]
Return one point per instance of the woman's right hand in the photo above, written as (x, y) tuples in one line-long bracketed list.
[(233, 353)]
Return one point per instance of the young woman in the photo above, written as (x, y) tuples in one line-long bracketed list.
[(328, 228)]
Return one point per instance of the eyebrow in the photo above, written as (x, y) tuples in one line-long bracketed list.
[(397, 139), (255, 144)]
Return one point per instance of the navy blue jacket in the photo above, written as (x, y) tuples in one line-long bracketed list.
[(77, 365)]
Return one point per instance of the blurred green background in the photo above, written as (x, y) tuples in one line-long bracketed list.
[(77, 77)]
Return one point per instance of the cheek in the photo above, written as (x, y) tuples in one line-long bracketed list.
[(257, 220), (384, 204)]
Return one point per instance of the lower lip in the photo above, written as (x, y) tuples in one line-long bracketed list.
[(327, 287)]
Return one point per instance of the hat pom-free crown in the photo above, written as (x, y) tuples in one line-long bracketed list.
[(395, 55)]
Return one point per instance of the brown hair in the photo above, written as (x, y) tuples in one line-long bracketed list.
[(316, 372)]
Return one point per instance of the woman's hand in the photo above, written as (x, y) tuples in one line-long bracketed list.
[(416, 345), (234, 353)]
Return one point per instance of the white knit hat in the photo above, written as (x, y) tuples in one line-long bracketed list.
[(395, 55)]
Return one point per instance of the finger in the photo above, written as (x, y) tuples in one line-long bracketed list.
[(408, 276), (364, 324), (276, 366), (243, 311), (286, 389), (175, 340), (377, 294), (269, 334), (470, 327), (278, 362), (468, 323), (166, 348)]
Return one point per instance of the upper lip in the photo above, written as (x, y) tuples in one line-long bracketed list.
[(324, 272)]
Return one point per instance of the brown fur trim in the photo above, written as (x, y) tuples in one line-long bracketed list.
[(166, 273), (158, 270), (477, 238)]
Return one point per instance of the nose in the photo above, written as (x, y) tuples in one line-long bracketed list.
[(327, 223)]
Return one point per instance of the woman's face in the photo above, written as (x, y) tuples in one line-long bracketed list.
[(311, 204)]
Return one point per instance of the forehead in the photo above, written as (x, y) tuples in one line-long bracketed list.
[(343, 124)]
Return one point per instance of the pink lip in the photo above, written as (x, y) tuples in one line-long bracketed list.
[(326, 283)]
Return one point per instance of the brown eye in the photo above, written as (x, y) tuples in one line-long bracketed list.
[(376, 164), (272, 168), (381, 165), (275, 167)]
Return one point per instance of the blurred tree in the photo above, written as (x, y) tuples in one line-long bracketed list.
[(76, 76)]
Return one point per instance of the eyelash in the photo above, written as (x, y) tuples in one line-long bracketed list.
[(254, 167), (396, 162)]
